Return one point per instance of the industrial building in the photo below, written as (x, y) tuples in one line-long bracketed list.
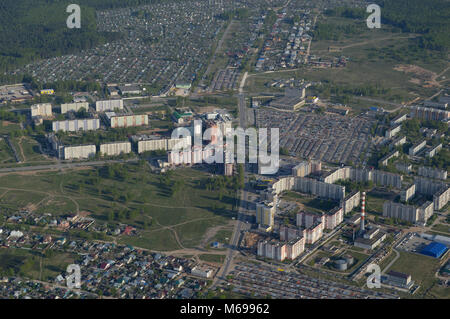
[(76, 125), (43, 110), (397, 279), (78, 152), (120, 120), (434, 249), (129, 89), (74, 107), (432, 172), (288, 103), (108, 105), (115, 148), (370, 239)]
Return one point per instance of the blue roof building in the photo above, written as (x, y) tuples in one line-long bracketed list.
[(434, 249)]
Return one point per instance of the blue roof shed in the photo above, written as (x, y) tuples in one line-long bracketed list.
[(434, 249)]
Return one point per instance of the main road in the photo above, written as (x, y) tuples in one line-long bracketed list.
[(242, 212), (60, 166)]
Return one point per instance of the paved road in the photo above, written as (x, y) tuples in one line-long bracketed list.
[(61, 166), (240, 224)]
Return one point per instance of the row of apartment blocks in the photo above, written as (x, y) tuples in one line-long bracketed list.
[(365, 175), (408, 213), (76, 125), (439, 190), (430, 114), (70, 152), (122, 120), (74, 107), (45, 109), (385, 160), (432, 172), (155, 143), (280, 251)]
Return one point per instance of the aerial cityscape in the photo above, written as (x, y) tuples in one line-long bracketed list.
[(224, 149)]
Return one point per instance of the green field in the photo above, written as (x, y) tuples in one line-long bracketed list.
[(374, 56), (311, 203), (138, 199), (212, 258), (32, 265), (421, 268)]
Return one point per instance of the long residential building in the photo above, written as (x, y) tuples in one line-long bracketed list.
[(433, 151), (408, 213), (441, 197), (391, 132), (310, 186), (281, 250), (76, 125), (119, 121), (385, 160), (43, 110), (364, 175), (430, 114), (351, 201), (74, 107), (307, 167), (154, 143), (115, 148), (432, 172), (108, 105), (413, 150), (78, 152)]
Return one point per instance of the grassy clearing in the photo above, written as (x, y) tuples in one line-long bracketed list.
[(191, 211), (212, 258), (421, 268)]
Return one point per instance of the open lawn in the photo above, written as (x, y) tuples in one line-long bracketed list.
[(421, 268), (31, 264), (137, 197)]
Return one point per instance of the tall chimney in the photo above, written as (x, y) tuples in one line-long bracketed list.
[(363, 210)]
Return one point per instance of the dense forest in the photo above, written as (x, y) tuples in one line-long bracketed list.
[(36, 29)]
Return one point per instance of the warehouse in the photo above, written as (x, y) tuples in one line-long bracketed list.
[(108, 105), (115, 148), (74, 107), (434, 249), (119, 120), (76, 125)]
